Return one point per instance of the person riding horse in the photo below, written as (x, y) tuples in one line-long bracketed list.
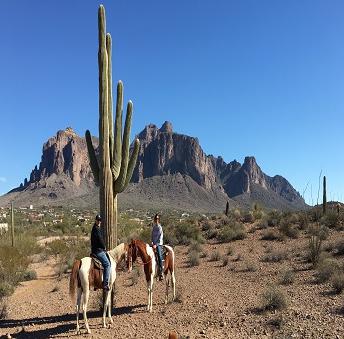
[(157, 242), (99, 251)]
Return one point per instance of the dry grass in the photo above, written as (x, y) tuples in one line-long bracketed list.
[(273, 299)]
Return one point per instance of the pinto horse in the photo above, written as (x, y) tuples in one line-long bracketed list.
[(138, 248), (85, 276)]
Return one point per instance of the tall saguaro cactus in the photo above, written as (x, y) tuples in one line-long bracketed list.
[(113, 171), (324, 195)]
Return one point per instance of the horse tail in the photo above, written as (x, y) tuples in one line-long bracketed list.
[(170, 252), (74, 277)]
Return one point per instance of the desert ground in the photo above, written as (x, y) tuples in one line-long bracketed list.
[(216, 299)]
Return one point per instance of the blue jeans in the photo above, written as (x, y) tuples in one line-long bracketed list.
[(159, 251), (107, 267)]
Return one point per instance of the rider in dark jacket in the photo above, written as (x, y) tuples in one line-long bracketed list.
[(99, 250)]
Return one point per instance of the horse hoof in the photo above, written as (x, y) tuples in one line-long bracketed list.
[(78, 332)]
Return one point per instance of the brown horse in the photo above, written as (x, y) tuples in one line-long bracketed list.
[(138, 248)]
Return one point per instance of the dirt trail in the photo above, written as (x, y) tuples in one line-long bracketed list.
[(213, 301)]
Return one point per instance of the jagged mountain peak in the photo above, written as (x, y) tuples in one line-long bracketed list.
[(163, 152)]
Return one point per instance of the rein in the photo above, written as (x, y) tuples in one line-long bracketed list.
[(144, 263)]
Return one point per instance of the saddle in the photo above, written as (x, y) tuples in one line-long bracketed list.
[(96, 272), (96, 262)]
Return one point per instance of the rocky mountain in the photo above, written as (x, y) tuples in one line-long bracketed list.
[(172, 171)]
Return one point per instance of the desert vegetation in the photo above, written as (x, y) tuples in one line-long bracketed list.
[(295, 249)]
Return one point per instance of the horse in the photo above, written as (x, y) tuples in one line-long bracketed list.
[(137, 248), (84, 276)]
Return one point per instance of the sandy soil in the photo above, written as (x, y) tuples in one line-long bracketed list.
[(214, 301)]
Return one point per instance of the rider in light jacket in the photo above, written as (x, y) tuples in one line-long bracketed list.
[(157, 242)]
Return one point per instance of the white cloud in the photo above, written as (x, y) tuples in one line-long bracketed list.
[(3, 179)]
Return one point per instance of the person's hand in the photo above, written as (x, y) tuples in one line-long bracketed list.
[(154, 246)]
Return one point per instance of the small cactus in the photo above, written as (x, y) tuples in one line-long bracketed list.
[(114, 169), (324, 195), (227, 208)]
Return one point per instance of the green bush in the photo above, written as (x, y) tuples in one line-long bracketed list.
[(338, 282), (186, 233), (273, 218), (330, 219), (215, 256), (193, 259), (270, 234), (339, 247), (287, 277), (29, 275), (326, 269), (288, 229), (248, 217), (275, 256), (5, 289), (250, 267), (317, 235), (273, 299), (232, 232)]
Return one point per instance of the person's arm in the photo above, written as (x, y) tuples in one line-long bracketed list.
[(161, 235)]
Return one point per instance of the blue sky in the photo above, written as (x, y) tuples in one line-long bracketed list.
[(262, 78)]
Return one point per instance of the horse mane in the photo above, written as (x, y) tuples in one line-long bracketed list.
[(118, 251)]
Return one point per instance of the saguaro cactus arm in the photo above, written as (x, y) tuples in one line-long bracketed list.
[(120, 182), (92, 156), (132, 162), (117, 150)]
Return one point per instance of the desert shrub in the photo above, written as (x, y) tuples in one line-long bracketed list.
[(270, 234), (208, 225), (232, 232), (3, 308), (237, 214), (215, 256), (330, 219), (261, 224), (248, 217), (6, 289), (224, 260), (170, 236), (211, 231), (29, 275), (250, 267), (185, 233), (287, 277), (193, 259), (275, 256), (303, 220), (317, 235), (273, 299), (223, 220), (339, 247), (13, 263), (338, 282), (288, 229), (203, 254), (273, 218), (194, 247), (258, 214), (66, 251), (325, 270)]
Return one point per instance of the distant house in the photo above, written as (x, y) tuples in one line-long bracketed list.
[(3, 228)]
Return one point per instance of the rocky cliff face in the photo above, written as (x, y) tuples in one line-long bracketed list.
[(164, 152), (65, 153), (64, 171)]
